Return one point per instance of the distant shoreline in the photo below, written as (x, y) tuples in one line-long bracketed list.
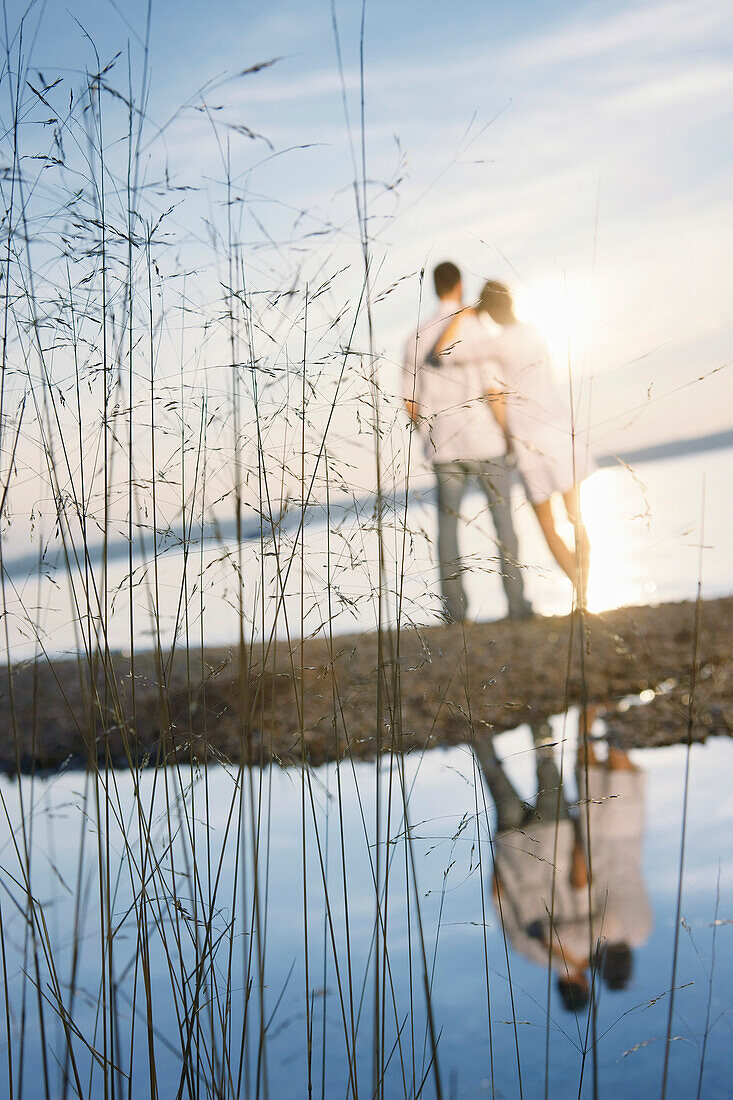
[(445, 686), (253, 526), (676, 448)]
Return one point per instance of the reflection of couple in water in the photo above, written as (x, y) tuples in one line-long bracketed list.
[(568, 881), (478, 384)]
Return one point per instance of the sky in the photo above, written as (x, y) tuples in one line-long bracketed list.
[(579, 151)]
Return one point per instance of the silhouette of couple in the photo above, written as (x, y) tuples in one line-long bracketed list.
[(478, 385)]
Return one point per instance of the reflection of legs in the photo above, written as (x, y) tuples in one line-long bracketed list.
[(551, 804), (495, 480), (617, 758), (451, 480), (511, 810)]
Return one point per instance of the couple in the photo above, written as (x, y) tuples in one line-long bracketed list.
[(477, 383)]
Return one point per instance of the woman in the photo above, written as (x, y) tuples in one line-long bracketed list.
[(530, 407)]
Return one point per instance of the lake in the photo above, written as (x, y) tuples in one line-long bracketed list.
[(193, 839)]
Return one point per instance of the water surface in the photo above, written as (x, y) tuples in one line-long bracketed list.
[(488, 1000)]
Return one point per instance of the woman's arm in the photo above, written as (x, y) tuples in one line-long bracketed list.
[(449, 336), (451, 332)]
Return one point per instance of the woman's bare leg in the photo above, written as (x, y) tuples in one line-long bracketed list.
[(574, 563), (582, 542), (560, 551)]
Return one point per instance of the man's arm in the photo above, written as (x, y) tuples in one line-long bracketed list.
[(409, 378)]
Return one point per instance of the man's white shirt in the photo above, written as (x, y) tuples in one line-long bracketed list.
[(456, 423)]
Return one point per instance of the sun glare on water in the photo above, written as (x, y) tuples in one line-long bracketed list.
[(616, 577)]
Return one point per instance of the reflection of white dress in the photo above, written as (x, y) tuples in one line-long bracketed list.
[(549, 457)]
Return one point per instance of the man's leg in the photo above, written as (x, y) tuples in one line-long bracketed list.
[(451, 480), (495, 480)]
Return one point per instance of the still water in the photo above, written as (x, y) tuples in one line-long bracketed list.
[(489, 982)]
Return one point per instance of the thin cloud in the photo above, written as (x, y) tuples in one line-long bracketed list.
[(703, 81), (653, 27)]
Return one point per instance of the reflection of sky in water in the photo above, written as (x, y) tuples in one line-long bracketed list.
[(645, 530), (447, 853)]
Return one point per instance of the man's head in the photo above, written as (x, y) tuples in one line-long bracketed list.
[(617, 962), (574, 991), (496, 300), (447, 279)]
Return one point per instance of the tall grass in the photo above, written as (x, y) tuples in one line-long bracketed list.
[(179, 394)]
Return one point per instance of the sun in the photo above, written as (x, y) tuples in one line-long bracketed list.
[(562, 309)]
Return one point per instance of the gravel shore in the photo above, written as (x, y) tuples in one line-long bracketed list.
[(414, 689)]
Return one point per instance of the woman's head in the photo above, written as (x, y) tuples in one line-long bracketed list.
[(496, 300)]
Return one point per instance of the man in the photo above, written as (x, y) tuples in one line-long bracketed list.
[(463, 441)]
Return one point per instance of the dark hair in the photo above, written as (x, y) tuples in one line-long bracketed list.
[(496, 300), (446, 277), (574, 993), (617, 963)]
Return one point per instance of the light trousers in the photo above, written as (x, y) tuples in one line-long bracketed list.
[(494, 479)]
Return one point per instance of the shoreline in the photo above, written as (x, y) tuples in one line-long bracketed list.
[(438, 685)]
